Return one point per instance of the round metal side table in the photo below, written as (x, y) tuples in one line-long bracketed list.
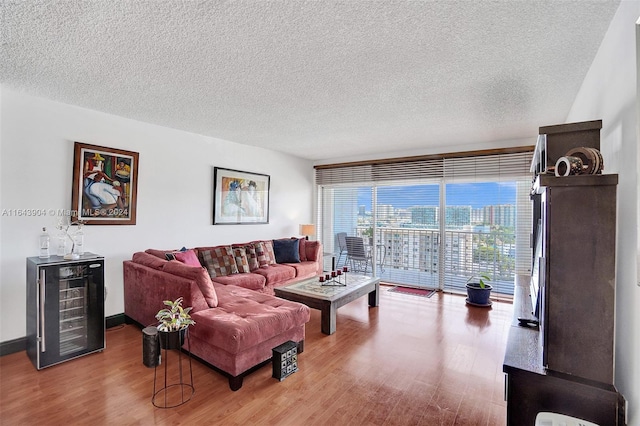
[(174, 390)]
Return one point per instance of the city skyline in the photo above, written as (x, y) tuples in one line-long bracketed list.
[(476, 195)]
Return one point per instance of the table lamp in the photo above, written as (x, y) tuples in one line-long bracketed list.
[(307, 230)]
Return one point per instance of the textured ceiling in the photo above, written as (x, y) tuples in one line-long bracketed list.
[(316, 79)]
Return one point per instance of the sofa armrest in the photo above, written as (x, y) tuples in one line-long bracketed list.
[(146, 288)]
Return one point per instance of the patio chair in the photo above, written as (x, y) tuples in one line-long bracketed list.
[(357, 254), (342, 247)]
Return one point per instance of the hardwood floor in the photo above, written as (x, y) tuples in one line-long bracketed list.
[(411, 361)]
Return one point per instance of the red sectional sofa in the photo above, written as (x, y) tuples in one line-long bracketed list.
[(262, 272), (238, 320)]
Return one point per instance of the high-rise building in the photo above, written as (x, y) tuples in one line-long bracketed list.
[(385, 211), (427, 216), (457, 217), (499, 215)]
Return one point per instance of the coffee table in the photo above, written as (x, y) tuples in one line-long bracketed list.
[(328, 298)]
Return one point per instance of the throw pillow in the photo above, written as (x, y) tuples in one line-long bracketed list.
[(199, 275), (252, 257), (268, 245), (287, 251), (262, 254), (303, 248), (188, 257), (170, 255), (219, 261), (242, 262)]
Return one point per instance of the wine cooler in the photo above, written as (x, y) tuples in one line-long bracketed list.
[(65, 308)]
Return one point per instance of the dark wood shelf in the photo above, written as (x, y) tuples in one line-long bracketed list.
[(547, 180), (572, 128), (524, 349)]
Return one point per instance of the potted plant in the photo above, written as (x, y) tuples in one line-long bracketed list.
[(479, 290), (174, 321)]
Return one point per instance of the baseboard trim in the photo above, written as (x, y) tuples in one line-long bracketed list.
[(114, 320), (13, 346), (20, 344)]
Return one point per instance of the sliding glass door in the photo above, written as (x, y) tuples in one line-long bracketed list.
[(342, 210), (434, 232), (480, 233), (407, 233)]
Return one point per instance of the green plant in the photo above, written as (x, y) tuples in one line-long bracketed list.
[(368, 232), (175, 317), (479, 278)]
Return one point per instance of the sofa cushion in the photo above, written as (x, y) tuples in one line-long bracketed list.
[(305, 269), (287, 250), (251, 281), (219, 261), (245, 318), (149, 260), (276, 274), (302, 242), (242, 262), (188, 257), (199, 275)]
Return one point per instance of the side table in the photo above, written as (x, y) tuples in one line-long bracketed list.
[(174, 391)]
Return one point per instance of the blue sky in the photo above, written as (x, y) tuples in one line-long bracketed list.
[(461, 194)]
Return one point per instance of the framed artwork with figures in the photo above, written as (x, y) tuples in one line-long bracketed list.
[(240, 197), (105, 182)]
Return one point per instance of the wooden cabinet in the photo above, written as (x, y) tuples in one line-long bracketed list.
[(566, 364), (531, 388), (578, 282)]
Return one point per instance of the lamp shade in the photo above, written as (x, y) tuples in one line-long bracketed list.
[(307, 230)]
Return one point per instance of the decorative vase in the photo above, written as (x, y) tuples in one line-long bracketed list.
[(78, 240), (172, 339), (478, 296)]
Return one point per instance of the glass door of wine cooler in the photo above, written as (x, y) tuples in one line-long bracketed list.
[(73, 309)]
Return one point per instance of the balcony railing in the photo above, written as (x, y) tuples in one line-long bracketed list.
[(412, 257)]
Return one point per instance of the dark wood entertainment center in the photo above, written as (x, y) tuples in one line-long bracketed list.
[(560, 351)]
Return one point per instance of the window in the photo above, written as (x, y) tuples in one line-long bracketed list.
[(434, 222)]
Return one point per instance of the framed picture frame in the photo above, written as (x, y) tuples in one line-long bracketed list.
[(105, 185), (240, 197)]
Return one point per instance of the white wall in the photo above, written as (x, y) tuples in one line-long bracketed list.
[(609, 93), (174, 191)]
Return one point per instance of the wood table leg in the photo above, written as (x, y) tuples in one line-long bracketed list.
[(374, 295), (328, 318)]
